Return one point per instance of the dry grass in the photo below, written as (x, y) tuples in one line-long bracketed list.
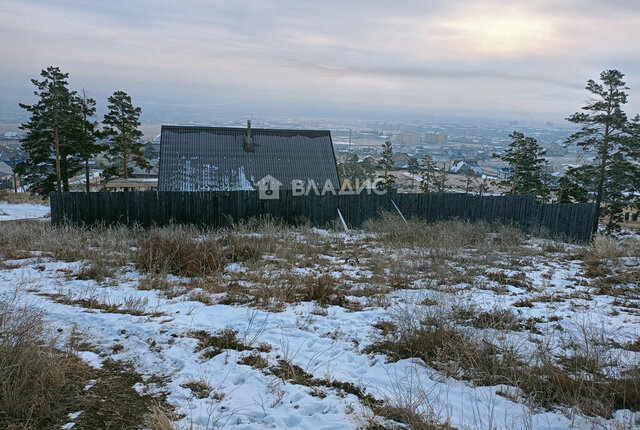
[(445, 235), (187, 251), (218, 342), (199, 388), (23, 239), (37, 379), (97, 269), (283, 265), (613, 267), (160, 418), (132, 305), (11, 197), (399, 412), (113, 402), (173, 250), (577, 379), (406, 415), (42, 381)]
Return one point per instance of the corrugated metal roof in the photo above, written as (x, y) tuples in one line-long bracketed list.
[(214, 158)]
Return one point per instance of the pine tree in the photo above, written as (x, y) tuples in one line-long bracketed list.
[(577, 184), (122, 136), (631, 145), (413, 167), (427, 174), (482, 185), (86, 133), (368, 168), (149, 151), (622, 181), (386, 164), (441, 181), (606, 130), (352, 170), (526, 163), (50, 144), (468, 180)]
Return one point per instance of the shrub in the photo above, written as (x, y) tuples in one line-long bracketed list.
[(174, 250)]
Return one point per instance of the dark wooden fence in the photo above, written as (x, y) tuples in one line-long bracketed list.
[(219, 208)]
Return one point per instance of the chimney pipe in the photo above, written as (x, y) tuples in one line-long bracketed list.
[(248, 143)]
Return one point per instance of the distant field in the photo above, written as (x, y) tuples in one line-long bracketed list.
[(149, 130)]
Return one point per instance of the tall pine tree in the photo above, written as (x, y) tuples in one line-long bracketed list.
[(50, 143), (427, 174), (526, 166), (607, 132), (386, 165), (86, 130), (441, 180), (122, 137)]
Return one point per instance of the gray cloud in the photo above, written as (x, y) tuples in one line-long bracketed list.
[(526, 56)]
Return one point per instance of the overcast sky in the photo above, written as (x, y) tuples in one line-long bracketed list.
[(479, 58)]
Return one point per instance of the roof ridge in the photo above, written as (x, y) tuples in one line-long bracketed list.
[(242, 129)]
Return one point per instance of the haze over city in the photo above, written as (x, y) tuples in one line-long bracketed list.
[(525, 60)]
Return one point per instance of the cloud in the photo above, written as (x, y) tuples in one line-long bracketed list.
[(527, 56)]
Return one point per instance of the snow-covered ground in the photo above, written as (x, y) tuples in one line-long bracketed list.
[(328, 342), (14, 211)]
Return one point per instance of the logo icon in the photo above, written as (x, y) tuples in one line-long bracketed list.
[(268, 188)]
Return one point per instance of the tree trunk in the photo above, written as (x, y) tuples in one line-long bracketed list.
[(515, 171), (55, 137), (561, 192), (86, 172), (86, 139), (125, 156), (65, 180), (603, 166)]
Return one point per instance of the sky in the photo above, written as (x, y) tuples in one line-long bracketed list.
[(495, 58)]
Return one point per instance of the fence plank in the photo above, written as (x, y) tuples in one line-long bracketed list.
[(218, 208)]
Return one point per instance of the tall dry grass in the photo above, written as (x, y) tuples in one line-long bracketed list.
[(11, 197), (443, 235), (37, 378), (21, 239)]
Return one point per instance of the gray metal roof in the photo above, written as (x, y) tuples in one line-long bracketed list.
[(214, 158)]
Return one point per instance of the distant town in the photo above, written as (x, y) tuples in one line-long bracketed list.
[(464, 150)]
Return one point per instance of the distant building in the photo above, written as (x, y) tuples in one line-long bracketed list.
[(6, 176), (400, 160), (227, 159), (435, 139), (5, 170), (464, 168), (368, 161), (556, 149), (410, 139), (138, 184)]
